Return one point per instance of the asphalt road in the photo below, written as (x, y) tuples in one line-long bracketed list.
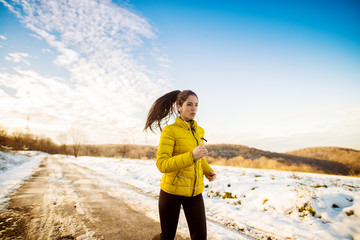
[(62, 202)]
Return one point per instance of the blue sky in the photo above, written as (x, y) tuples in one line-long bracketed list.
[(275, 75)]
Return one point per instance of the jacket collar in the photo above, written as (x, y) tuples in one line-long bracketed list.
[(188, 125)]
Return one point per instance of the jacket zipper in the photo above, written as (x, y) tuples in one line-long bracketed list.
[(177, 175), (197, 143)]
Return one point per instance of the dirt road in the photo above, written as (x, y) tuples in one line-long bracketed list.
[(61, 201)]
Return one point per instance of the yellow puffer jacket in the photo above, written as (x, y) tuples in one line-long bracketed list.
[(182, 176)]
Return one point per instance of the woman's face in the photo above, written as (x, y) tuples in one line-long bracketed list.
[(189, 108)]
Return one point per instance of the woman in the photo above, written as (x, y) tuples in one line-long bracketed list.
[(181, 159)]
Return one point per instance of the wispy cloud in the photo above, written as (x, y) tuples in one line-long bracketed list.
[(109, 85), (18, 57), (46, 50), (2, 37)]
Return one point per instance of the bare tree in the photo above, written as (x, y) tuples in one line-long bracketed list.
[(43, 143), (78, 140), (150, 152), (63, 139), (3, 136), (18, 137), (30, 141), (124, 149)]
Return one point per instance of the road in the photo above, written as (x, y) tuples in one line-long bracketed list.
[(62, 202)]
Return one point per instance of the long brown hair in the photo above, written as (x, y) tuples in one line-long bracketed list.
[(164, 107)]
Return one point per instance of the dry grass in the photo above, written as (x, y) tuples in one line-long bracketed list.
[(341, 162), (263, 163), (349, 157)]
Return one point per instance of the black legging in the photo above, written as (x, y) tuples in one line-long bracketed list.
[(169, 208)]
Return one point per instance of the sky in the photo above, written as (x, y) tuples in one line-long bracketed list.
[(273, 75)]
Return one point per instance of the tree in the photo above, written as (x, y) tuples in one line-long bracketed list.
[(30, 142), (63, 139), (78, 139), (150, 152), (3, 136), (43, 143), (124, 149), (18, 138)]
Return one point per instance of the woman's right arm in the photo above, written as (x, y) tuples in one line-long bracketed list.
[(166, 162)]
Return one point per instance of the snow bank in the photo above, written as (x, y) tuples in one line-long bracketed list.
[(14, 169), (301, 206)]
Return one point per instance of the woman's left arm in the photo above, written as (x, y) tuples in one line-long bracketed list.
[(208, 171), (205, 166)]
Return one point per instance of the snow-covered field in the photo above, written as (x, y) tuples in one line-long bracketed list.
[(259, 203)]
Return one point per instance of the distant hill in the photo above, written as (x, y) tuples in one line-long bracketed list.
[(318, 160), (347, 156)]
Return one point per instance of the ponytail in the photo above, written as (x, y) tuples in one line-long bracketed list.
[(163, 108)]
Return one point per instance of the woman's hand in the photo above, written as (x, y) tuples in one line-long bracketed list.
[(199, 152), (211, 176)]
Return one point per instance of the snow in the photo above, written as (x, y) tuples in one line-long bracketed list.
[(14, 169), (257, 203)]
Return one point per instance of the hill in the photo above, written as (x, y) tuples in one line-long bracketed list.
[(347, 156), (334, 162)]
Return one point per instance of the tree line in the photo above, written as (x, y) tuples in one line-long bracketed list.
[(72, 142), (20, 140)]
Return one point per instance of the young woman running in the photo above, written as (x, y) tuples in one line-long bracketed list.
[(180, 158)]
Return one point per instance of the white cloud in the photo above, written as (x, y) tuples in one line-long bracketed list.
[(46, 50), (2, 37), (18, 57), (108, 88)]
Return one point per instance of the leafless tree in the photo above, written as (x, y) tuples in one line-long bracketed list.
[(18, 137), (124, 149), (3, 136), (43, 143), (78, 140), (63, 139)]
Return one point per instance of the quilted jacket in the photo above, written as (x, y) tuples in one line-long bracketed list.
[(182, 175)]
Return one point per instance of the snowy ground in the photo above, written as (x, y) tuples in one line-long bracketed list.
[(15, 168), (259, 203)]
